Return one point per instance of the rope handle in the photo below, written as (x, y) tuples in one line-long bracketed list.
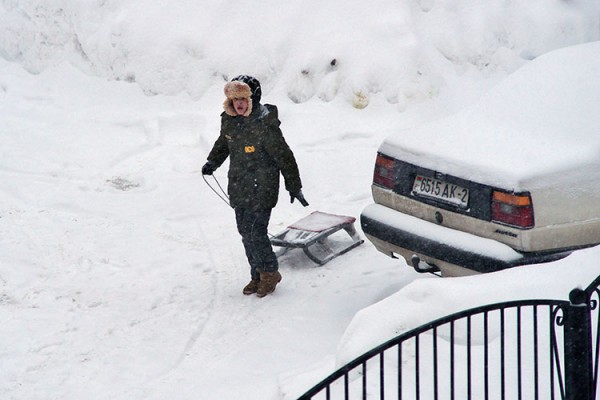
[(224, 196)]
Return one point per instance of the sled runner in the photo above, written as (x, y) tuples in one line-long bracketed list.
[(312, 231)]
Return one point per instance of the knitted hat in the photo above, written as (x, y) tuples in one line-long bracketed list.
[(242, 87)]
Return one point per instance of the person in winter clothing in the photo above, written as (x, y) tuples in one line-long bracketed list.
[(251, 138)]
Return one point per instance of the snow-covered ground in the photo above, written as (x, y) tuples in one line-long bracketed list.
[(121, 271)]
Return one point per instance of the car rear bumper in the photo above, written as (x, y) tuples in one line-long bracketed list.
[(393, 232)]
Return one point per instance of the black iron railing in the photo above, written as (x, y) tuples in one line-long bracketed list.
[(531, 349)]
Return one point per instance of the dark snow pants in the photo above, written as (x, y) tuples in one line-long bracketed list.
[(252, 225)]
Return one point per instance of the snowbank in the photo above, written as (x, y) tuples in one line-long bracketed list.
[(405, 51), (425, 300)]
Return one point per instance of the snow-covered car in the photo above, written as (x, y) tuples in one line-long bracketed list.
[(513, 179)]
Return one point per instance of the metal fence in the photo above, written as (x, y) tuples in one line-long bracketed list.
[(532, 349)]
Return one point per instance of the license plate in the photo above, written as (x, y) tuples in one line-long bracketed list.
[(440, 190)]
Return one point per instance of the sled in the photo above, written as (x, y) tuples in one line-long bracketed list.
[(312, 231)]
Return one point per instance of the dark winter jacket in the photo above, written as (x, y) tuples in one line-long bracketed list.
[(257, 152)]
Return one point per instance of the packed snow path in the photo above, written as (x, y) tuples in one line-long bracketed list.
[(121, 272)]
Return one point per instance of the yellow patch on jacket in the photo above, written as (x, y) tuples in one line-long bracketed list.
[(249, 149)]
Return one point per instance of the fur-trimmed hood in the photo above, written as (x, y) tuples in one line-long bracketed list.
[(245, 87)]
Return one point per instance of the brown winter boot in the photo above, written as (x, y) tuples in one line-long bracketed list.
[(268, 282), (252, 287)]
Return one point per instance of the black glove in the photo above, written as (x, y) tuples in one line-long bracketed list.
[(208, 168), (298, 195)]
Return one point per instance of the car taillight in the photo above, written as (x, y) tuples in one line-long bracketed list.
[(384, 172), (512, 209)]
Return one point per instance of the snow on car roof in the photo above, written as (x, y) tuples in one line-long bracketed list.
[(541, 122)]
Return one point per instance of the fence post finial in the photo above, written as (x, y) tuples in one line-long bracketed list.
[(578, 347)]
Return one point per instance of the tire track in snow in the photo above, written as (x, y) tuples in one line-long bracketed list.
[(215, 256), (193, 338)]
